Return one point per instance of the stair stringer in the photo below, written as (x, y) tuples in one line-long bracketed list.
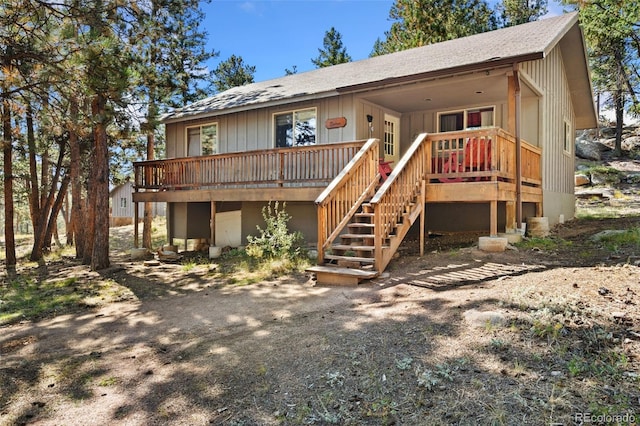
[(401, 231)]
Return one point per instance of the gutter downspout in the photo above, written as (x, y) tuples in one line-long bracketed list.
[(516, 78)]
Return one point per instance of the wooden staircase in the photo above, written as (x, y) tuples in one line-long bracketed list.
[(358, 233)]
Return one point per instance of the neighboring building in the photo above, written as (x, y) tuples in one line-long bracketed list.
[(476, 98), (122, 206)]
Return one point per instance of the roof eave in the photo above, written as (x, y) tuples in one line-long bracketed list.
[(247, 107), (496, 63)]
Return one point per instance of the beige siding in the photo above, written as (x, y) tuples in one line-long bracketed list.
[(120, 208), (119, 196), (253, 130), (557, 165), (418, 122)]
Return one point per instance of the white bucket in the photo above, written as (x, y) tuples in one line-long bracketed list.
[(214, 252)]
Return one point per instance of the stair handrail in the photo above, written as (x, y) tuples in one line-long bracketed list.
[(390, 200), (341, 199)]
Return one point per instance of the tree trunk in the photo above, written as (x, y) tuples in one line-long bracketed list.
[(7, 150), (99, 207), (52, 227), (148, 214), (33, 184), (77, 224), (40, 240), (619, 122), (66, 215), (619, 99)]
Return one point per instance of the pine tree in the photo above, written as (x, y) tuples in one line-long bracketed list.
[(169, 45), (333, 51), (516, 12), (232, 73), (422, 22), (613, 44)]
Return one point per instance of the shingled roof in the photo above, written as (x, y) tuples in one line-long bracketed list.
[(524, 42)]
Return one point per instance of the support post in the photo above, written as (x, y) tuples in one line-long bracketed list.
[(511, 216), (212, 225), (493, 226), (321, 232), (135, 224), (518, 107), (423, 200)]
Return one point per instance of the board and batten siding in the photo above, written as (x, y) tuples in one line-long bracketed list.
[(557, 164), (253, 129), (122, 203)]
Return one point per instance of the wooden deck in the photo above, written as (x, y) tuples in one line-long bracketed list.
[(305, 172), (354, 205), (298, 174)]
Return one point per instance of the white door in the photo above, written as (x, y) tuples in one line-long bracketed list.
[(391, 146)]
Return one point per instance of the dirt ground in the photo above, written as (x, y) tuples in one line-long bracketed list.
[(534, 335)]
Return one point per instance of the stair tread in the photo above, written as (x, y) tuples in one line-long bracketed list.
[(352, 258), (354, 248), (368, 236), (343, 271), (361, 225)]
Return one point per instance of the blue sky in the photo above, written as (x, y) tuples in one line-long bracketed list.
[(275, 35)]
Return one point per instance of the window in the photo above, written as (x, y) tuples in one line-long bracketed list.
[(568, 137), (202, 140), (295, 128), (123, 202), (465, 119)]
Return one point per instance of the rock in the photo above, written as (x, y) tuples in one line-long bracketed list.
[(599, 178), (582, 180), (492, 244), (608, 132), (477, 318), (598, 193), (167, 256), (631, 143), (140, 254), (588, 150), (632, 178)]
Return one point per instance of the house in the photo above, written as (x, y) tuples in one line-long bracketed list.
[(478, 131), (122, 212)]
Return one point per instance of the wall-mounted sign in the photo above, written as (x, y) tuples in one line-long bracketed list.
[(334, 123)]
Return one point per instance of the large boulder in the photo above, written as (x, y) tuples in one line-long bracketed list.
[(589, 150), (631, 143)]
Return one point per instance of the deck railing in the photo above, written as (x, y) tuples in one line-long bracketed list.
[(341, 199), (480, 155), (315, 165)]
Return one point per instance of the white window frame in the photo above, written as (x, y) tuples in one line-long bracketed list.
[(293, 112), (569, 137), (200, 126), (465, 112)]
